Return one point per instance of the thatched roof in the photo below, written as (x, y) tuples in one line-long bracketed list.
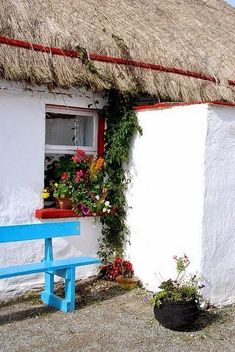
[(196, 35)]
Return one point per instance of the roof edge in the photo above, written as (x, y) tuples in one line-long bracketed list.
[(167, 105), (109, 59)]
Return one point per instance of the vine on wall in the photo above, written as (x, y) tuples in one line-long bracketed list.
[(121, 126)]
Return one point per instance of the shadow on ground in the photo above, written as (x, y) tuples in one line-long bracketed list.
[(91, 291), (205, 319)]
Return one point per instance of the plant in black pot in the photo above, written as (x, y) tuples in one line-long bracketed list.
[(176, 306)]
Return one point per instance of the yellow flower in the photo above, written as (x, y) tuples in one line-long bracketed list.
[(45, 194), (99, 164), (95, 166)]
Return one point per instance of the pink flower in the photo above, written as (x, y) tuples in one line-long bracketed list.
[(175, 257), (64, 176), (79, 175), (79, 155)]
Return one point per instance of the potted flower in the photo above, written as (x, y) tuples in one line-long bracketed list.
[(121, 271), (78, 182), (62, 193), (127, 279), (176, 306), (89, 188)]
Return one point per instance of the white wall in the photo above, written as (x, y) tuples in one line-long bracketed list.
[(166, 193), (218, 246), (22, 143), (182, 196), (173, 208)]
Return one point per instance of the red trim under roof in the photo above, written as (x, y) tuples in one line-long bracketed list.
[(170, 105), (109, 59), (101, 130)]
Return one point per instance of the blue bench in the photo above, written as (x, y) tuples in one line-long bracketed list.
[(64, 268)]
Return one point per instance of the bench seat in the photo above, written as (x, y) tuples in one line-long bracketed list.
[(46, 266), (64, 268)]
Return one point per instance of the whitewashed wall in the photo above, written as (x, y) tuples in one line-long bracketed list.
[(22, 143), (168, 193), (218, 245), (181, 197)]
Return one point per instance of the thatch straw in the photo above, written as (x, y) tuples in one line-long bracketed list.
[(197, 35)]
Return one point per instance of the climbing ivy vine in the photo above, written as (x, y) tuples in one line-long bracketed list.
[(121, 126)]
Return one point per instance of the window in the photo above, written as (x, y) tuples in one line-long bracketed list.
[(70, 128)]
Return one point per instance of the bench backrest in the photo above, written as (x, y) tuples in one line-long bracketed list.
[(37, 231)]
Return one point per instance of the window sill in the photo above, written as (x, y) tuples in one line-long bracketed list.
[(53, 213)]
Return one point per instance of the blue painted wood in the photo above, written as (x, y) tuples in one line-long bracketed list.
[(55, 301), (36, 231), (48, 249), (49, 282), (64, 273), (46, 266), (67, 303), (49, 277), (62, 267), (70, 289)]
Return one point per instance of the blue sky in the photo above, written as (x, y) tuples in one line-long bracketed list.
[(231, 2)]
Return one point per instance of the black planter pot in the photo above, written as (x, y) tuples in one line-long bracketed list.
[(177, 315)]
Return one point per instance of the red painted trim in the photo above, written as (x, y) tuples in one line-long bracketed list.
[(101, 129), (109, 59), (53, 213), (155, 67), (169, 105), (38, 47)]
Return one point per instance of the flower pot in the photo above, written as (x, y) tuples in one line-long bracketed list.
[(127, 282), (176, 315), (64, 203)]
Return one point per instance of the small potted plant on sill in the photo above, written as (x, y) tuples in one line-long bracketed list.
[(121, 271), (62, 193), (176, 306)]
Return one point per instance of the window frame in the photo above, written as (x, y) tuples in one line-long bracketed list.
[(70, 149)]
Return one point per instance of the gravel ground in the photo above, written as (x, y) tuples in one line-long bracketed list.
[(108, 319)]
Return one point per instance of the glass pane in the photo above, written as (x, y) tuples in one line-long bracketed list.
[(72, 130)]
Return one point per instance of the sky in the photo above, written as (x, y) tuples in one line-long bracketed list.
[(231, 2)]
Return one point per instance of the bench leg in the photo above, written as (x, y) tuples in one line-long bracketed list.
[(49, 283), (66, 304), (70, 289)]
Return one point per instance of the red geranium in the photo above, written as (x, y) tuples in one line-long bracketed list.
[(64, 176), (118, 267), (79, 155)]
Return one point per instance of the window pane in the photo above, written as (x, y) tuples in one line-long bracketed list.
[(71, 130)]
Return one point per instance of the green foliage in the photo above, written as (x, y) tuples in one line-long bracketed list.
[(160, 297), (62, 190), (181, 265), (171, 292), (180, 289), (82, 179), (121, 126), (83, 56), (55, 167)]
